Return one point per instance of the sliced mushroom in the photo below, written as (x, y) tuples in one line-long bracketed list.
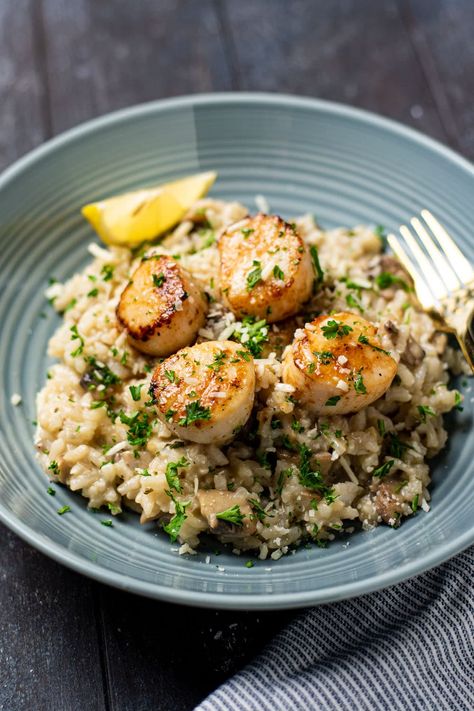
[(413, 353), (213, 502)]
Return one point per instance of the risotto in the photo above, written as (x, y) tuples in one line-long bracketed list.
[(288, 471)]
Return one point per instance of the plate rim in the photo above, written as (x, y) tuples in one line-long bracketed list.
[(265, 601)]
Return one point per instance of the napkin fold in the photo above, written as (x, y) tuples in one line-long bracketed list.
[(407, 647)]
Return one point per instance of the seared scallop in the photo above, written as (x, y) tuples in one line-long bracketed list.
[(162, 309), (205, 393), (265, 268), (337, 364)]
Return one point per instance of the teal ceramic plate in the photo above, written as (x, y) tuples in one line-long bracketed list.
[(344, 165)]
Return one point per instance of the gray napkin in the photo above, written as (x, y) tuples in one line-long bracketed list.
[(408, 647)]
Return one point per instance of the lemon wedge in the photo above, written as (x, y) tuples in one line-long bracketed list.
[(131, 218)]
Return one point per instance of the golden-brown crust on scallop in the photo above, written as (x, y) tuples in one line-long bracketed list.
[(268, 243)]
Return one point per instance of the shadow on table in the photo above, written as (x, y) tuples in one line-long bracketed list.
[(174, 656)]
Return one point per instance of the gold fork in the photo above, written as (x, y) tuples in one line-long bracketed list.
[(443, 277)]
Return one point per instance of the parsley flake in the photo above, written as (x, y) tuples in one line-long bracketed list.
[(158, 280), (218, 361), (278, 273), (255, 276), (174, 526), (135, 392), (425, 411), (333, 329), (313, 250), (107, 272), (232, 515), (383, 469), (385, 280), (194, 413), (171, 473), (74, 337), (359, 385), (332, 401)]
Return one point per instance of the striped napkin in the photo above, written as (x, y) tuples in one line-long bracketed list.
[(408, 647)]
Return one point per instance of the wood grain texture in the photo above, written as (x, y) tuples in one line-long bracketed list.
[(354, 51), (102, 56), (21, 92), (49, 651), (166, 657), (441, 33)]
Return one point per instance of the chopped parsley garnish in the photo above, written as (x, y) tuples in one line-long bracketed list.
[(194, 413), (140, 427), (98, 374), (278, 273), (107, 522), (98, 403), (425, 411), (93, 292), (70, 305), (414, 503), (359, 385), (458, 400), (381, 427), (171, 473), (333, 329), (354, 285), (171, 376), (51, 491), (232, 515), (386, 280), (325, 357), (259, 511), (135, 392), (297, 426), (332, 401), (63, 510), (107, 272), (383, 469), (281, 479), (246, 231), (169, 414), (74, 337), (218, 361), (249, 564), (313, 250), (252, 334), (174, 526), (396, 447), (54, 467), (311, 367), (255, 276), (158, 279), (312, 479), (285, 442), (363, 339), (352, 302), (275, 423), (243, 354)]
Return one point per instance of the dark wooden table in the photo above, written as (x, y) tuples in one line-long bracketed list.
[(67, 643)]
